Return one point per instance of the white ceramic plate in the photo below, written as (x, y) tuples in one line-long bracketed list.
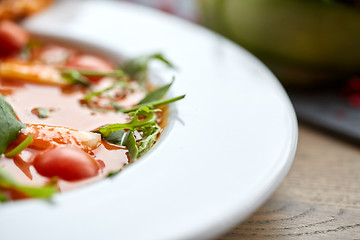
[(229, 143)]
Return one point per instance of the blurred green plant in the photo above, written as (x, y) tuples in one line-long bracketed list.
[(302, 41)]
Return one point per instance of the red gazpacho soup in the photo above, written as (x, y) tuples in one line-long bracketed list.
[(69, 117)]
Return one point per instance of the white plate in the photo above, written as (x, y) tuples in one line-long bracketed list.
[(227, 148)]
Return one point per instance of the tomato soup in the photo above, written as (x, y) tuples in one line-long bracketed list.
[(71, 117)]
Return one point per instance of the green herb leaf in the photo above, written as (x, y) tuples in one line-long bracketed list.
[(24, 144), (112, 174), (154, 104), (140, 64), (123, 134), (137, 68), (75, 77), (79, 76), (7, 182), (10, 126), (45, 192), (3, 198), (156, 94), (118, 73), (130, 144), (124, 138), (160, 57), (135, 123), (150, 135), (91, 95), (43, 112)]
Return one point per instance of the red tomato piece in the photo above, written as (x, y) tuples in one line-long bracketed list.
[(66, 162), (12, 37)]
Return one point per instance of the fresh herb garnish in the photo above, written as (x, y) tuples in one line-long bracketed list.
[(91, 95), (24, 144), (150, 134), (75, 77), (147, 115), (10, 126), (7, 182), (123, 133), (156, 94), (144, 120), (112, 174), (88, 73), (3, 198), (41, 112), (137, 68), (78, 76), (154, 104), (124, 138)]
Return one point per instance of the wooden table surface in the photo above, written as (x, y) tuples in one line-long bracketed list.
[(319, 198)]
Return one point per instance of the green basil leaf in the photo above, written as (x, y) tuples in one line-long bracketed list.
[(118, 137), (131, 146), (124, 138), (156, 94), (123, 133), (10, 126)]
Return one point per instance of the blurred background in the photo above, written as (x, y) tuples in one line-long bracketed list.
[(312, 46)]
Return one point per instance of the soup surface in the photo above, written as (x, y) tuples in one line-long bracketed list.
[(69, 117)]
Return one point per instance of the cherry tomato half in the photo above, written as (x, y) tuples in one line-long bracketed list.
[(66, 162), (12, 37)]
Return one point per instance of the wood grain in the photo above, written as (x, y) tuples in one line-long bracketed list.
[(319, 199)]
